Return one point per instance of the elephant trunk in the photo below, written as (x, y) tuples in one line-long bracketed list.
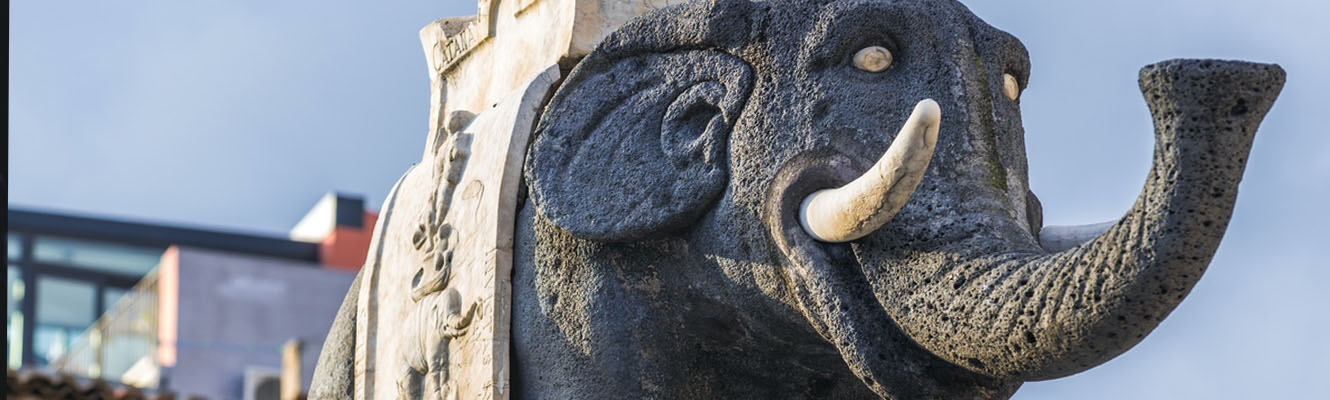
[(1042, 316)]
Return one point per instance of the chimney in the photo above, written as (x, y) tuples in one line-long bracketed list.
[(341, 226), (291, 387)]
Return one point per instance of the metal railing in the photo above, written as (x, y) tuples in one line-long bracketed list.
[(122, 344)]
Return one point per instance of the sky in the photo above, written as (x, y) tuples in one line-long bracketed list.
[(239, 114)]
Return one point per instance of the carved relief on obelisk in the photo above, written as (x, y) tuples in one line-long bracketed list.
[(433, 311), (435, 307)]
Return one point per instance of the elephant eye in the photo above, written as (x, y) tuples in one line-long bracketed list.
[(1011, 87), (873, 59)]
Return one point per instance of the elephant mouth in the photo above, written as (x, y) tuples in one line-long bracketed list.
[(818, 202), (818, 272), (806, 174), (823, 198)]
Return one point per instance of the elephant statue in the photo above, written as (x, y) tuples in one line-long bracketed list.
[(830, 199), (430, 328)]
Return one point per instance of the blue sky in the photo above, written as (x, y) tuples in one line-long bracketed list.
[(239, 115)]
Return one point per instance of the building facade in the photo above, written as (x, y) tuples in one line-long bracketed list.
[(192, 311)]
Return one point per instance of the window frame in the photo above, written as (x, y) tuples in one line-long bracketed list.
[(31, 270)]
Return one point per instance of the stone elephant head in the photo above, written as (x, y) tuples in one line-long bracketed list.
[(830, 199)]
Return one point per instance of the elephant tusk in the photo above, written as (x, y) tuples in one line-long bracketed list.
[(865, 204)]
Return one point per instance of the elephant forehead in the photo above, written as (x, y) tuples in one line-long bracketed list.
[(803, 33)]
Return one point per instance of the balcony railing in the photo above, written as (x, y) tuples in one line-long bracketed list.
[(122, 344)]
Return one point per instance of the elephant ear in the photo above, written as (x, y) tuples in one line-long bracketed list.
[(634, 144)]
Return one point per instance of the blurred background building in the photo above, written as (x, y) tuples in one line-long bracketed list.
[(185, 310)]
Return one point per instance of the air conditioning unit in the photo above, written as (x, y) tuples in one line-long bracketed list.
[(262, 383)]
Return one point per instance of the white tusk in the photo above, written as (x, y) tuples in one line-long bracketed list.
[(1057, 238), (864, 205)]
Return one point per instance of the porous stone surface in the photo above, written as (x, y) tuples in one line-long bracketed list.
[(658, 252), (1022, 314), (334, 375), (646, 269)]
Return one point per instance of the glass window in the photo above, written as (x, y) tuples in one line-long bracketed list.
[(103, 256), (14, 316), (13, 290), (64, 302), (15, 333), (120, 353), (15, 248), (49, 343), (128, 347), (64, 309), (110, 296)]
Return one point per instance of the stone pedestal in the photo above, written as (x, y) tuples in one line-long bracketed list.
[(433, 308)]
